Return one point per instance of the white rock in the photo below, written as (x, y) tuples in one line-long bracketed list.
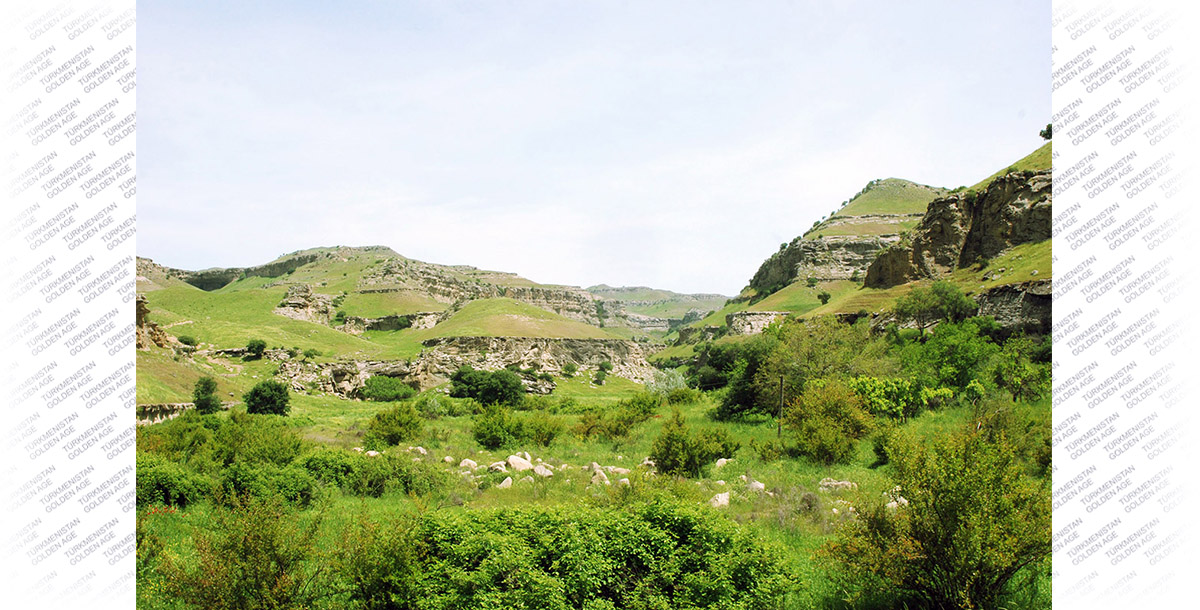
[(541, 471), (372, 454), (722, 462), (720, 500), (525, 454), (498, 467), (448, 460), (719, 482), (830, 485), (615, 470), (358, 449), (527, 479), (744, 478), (594, 467), (622, 481), (468, 463), (420, 450), (505, 484), (518, 463), (600, 478), (756, 486)]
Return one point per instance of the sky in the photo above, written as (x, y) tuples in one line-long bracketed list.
[(650, 143)]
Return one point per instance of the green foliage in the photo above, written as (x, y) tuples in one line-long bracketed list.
[(677, 451), (312, 353), (569, 369), (952, 357), (1048, 132), (268, 396), (826, 422), (379, 563), (606, 366), (1015, 372), (891, 397), (666, 381), (264, 480), (497, 427), (824, 297), (381, 388), (204, 396), (811, 282), (393, 426), (164, 482), (256, 347), (940, 301), (496, 387), (187, 340), (254, 556), (433, 406), (683, 396), (599, 377), (973, 522)]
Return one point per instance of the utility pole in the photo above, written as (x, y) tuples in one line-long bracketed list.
[(779, 422)]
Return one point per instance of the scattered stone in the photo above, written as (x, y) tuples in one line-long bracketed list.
[(622, 481), (497, 467), (615, 470), (468, 463), (649, 463), (756, 486), (518, 463), (541, 471), (719, 482), (829, 485), (358, 449), (720, 500), (527, 479), (448, 460), (505, 484), (525, 454), (600, 478), (372, 454), (722, 462), (419, 449)]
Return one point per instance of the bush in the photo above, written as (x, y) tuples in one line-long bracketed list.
[(291, 484), (391, 427), (542, 429), (894, 398), (667, 381), (827, 421), (187, 340), (569, 369), (489, 388), (599, 377), (824, 297), (496, 427), (381, 388), (678, 452), (204, 396), (255, 348), (268, 396), (973, 523), (162, 482), (683, 396), (253, 556), (311, 353)]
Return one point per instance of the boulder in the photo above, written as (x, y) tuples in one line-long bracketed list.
[(506, 483), (519, 463), (448, 459), (497, 467), (720, 500), (468, 463), (600, 478), (830, 485), (722, 462), (542, 471)]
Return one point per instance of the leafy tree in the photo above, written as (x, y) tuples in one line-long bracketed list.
[(1015, 371), (678, 452), (952, 357), (496, 387), (972, 523), (823, 297), (256, 347), (940, 301), (569, 369), (1048, 132), (392, 426), (811, 282), (204, 396), (606, 366), (269, 396), (600, 376)]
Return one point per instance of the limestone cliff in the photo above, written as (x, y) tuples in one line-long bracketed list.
[(148, 333), (962, 228)]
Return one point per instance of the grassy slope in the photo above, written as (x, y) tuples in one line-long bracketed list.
[(1036, 160), (892, 196)]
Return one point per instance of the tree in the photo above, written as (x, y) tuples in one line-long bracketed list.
[(569, 369), (498, 387), (256, 347), (927, 305), (1015, 371), (268, 397), (204, 396), (823, 297), (827, 421), (1047, 132), (678, 452), (811, 282)]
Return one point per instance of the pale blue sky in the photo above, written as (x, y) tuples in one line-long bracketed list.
[(669, 144)]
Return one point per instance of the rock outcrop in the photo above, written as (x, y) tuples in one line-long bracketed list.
[(443, 356), (828, 258), (148, 332), (301, 303), (751, 322), (1019, 308), (962, 228)]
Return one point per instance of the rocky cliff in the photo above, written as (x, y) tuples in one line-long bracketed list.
[(443, 356), (837, 257), (751, 322), (1019, 308), (963, 228), (148, 332), (301, 303)]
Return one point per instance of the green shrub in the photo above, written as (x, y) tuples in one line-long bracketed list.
[(496, 387), (599, 377), (269, 397), (678, 452), (255, 348), (187, 340), (163, 482), (542, 429), (496, 427), (890, 397), (291, 484), (606, 366), (381, 388), (569, 369), (311, 353), (204, 396), (827, 421), (972, 524), (393, 426), (253, 556), (683, 396), (332, 467)]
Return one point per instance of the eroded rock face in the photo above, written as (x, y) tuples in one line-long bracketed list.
[(1019, 308), (301, 303), (148, 332), (962, 228), (751, 322), (827, 258), (443, 356)]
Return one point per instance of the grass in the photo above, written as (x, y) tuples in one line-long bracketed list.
[(864, 227), (379, 304), (510, 318), (1037, 160)]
